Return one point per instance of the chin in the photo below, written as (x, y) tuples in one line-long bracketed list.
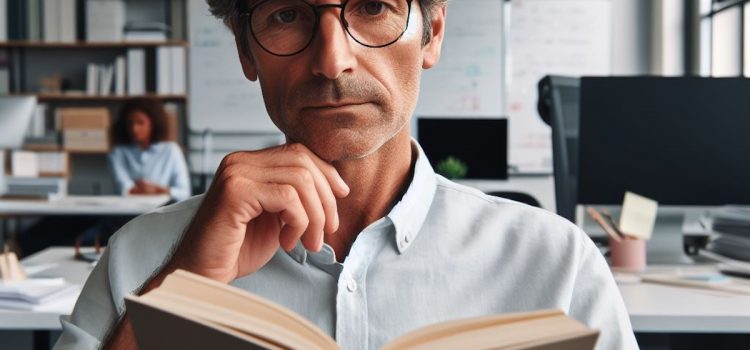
[(343, 145)]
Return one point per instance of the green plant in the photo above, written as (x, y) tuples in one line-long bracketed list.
[(452, 168)]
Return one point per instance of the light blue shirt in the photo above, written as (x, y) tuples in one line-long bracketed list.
[(162, 163), (445, 251)]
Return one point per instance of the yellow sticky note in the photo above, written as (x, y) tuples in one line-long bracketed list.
[(638, 215)]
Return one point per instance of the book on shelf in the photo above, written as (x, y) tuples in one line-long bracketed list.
[(34, 20), (68, 21), (24, 164), (146, 32), (106, 78), (136, 71), (4, 18), (178, 70), (120, 75), (192, 312), (170, 69), (4, 72), (92, 79), (100, 78), (105, 20), (163, 70)]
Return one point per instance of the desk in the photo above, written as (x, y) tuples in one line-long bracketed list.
[(82, 205), (78, 205), (60, 263), (655, 308)]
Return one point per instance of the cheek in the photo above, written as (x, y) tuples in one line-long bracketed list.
[(274, 94), (407, 72)]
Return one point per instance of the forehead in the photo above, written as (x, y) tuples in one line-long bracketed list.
[(251, 3)]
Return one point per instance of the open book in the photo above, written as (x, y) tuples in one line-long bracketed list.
[(192, 312)]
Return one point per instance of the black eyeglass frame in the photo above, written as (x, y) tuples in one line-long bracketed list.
[(246, 16)]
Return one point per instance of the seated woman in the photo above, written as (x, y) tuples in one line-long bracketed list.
[(142, 161)]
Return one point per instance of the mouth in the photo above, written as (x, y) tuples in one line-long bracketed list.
[(336, 105)]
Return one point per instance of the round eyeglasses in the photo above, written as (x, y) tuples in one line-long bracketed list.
[(288, 27)]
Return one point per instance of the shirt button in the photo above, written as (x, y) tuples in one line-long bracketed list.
[(351, 285)]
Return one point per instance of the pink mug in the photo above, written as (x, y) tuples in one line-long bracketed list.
[(628, 254)]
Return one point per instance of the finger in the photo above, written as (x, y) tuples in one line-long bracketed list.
[(304, 182), (301, 157), (284, 200), (338, 185)]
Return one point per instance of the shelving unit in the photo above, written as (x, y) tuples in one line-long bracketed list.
[(87, 45), (28, 62)]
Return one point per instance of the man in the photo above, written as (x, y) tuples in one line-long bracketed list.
[(347, 224)]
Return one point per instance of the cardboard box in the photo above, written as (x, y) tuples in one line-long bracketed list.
[(86, 140), (84, 118), (54, 164)]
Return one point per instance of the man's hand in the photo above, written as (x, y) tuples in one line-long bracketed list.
[(257, 202)]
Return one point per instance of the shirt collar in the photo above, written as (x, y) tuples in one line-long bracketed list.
[(407, 216)]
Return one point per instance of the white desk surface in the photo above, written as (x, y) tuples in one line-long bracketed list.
[(658, 308), (653, 308), (51, 262), (83, 205)]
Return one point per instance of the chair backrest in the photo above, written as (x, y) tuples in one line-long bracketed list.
[(518, 197), (559, 107)]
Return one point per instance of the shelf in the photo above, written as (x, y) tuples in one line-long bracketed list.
[(88, 45), (63, 97)]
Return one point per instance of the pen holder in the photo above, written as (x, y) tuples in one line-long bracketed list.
[(628, 254)]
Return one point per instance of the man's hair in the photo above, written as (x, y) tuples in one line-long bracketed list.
[(227, 10), (151, 108)]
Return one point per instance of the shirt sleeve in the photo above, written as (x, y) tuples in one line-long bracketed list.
[(93, 315), (123, 182), (179, 184), (597, 302)]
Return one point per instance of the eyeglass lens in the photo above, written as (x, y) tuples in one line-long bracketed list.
[(285, 27)]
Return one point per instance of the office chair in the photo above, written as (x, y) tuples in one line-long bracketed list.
[(518, 197), (558, 106)]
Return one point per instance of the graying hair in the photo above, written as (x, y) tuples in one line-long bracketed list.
[(227, 10)]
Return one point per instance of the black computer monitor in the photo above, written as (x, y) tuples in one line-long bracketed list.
[(482, 144), (558, 105), (681, 141)]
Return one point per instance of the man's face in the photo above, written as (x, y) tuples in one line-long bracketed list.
[(341, 99)]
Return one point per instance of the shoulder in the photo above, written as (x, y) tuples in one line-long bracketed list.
[(506, 220), (141, 248), (171, 147), (168, 146)]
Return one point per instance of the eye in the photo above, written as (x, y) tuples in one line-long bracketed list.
[(374, 8), (285, 16)]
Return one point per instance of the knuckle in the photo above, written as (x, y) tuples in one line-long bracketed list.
[(287, 193), (302, 176), (230, 159), (300, 157), (297, 147), (232, 183)]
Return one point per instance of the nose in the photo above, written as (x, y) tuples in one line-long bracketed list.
[(332, 48)]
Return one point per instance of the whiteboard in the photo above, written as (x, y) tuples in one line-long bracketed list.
[(468, 80), (221, 98), (563, 37)]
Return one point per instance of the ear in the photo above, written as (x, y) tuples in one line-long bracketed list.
[(431, 51), (246, 59)]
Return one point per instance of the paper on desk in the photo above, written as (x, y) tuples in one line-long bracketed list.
[(638, 215)]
